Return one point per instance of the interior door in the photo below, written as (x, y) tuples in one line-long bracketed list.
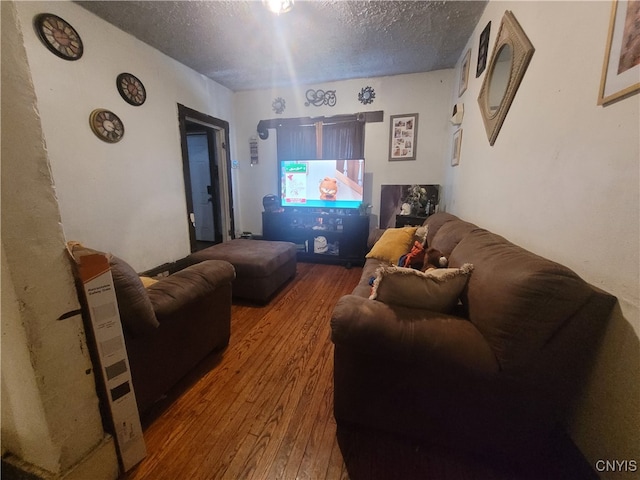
[(207, 178), (197, 144)]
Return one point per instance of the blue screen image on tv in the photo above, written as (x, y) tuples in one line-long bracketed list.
[(321, 183)]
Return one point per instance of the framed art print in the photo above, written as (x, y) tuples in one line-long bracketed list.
[(483, 50), (621, 69), (464, 73), (403, 141), (457, 144)]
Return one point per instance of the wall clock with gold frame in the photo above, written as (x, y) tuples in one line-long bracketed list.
[(58, 36), (131, 89), (106, 125)]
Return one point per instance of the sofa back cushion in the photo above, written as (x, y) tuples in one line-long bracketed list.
[(515, 298), (136, 312), (450, 234), (435, 222)]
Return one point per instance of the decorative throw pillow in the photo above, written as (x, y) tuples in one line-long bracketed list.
[(147, 281), (436, 290), (393, 243)]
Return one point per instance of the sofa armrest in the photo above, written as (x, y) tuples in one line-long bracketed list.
[(411, 335), (172, 293), (374, 236)]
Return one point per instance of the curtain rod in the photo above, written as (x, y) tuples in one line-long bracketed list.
[(366, 117)]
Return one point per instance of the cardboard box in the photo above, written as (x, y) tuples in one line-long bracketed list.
[(94, 272)]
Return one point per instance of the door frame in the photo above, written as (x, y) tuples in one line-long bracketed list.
[(219, 130)]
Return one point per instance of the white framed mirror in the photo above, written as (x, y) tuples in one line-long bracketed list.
[(511, 56)]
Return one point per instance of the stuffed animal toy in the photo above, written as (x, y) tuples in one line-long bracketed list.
[(434, 258), (328, 189), (415, 258)]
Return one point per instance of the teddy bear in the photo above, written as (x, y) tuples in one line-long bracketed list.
[(434, 258), (328, 188)]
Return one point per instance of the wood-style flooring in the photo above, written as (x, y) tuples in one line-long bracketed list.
[(262, 409)]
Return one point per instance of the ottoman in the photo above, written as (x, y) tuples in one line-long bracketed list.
[(262, 266)]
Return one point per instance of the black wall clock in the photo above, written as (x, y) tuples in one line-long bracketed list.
[(131, 89), (58, 36), (106, 125)]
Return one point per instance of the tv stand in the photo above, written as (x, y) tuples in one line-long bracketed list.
[(320, 236)]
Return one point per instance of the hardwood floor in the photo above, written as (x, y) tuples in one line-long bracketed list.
[(263, 408)]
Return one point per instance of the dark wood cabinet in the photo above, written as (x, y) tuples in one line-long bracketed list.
[(319, 236), (410, 220)]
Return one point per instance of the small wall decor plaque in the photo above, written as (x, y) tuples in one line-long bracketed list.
[(464, 73), (278, 105), (457, 145), (253, 150), (366, 95), (320, 97)]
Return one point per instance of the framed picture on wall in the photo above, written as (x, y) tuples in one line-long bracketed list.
[(621, 69), (455, 151), (403, 141), (464, 73), (483, 50)]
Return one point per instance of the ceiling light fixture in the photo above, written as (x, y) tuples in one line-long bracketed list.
[(278, 6)]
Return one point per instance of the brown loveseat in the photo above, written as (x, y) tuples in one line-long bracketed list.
[(173, 323), (495, 373)]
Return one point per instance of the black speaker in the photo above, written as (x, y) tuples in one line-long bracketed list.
[(270, 203)]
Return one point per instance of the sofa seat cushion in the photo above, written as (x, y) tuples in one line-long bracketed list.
[(250, 258), (437, 290), (515, 298), (409, 335)]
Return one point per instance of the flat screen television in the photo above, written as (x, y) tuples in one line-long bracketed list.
[(322, 183)]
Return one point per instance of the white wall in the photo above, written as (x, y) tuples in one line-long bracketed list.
[(563, 180), (128, 197), (50, 415), (426, 94)]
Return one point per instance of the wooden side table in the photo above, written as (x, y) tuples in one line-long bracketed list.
[(410, 220)]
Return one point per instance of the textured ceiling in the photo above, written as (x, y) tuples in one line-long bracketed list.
[(243, 46)]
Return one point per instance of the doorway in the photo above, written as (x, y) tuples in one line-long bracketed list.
[(207, 178)]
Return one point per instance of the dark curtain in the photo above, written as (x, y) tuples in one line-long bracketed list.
[(344, 140), (296, 142), (341, 140)]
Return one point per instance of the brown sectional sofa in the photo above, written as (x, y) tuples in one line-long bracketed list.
[(172, 324), (497, 373)]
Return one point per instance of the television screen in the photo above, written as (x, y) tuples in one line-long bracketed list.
[(321, 183)]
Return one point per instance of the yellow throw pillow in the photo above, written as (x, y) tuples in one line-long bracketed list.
[(436, 290), (393, 243)]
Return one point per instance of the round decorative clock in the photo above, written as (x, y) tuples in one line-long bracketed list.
[(131, 89), (58, 36), (106, 125)]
